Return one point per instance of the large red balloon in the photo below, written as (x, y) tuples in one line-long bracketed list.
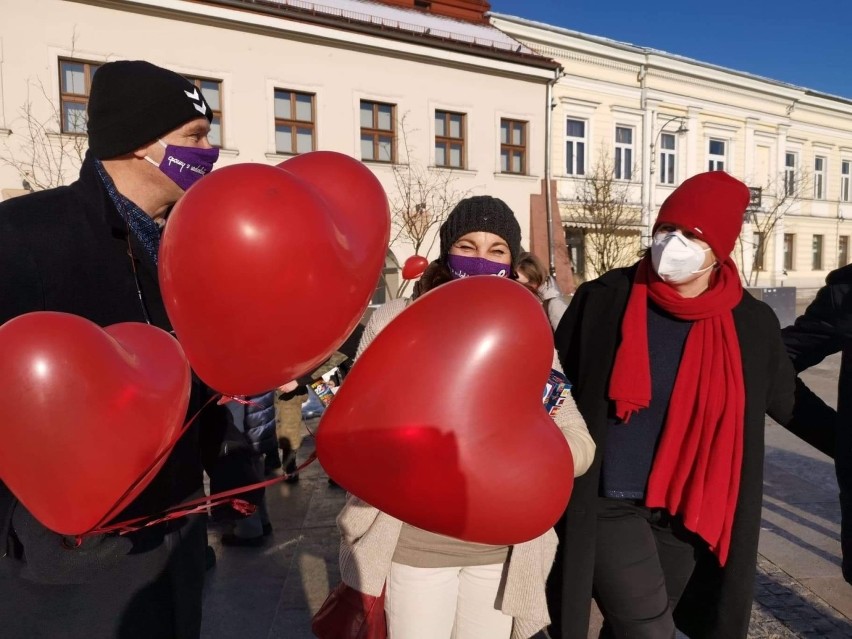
[(265, 270), (414, 267), (440, 423), (84, 414)]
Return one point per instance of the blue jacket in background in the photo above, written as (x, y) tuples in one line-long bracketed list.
[(259, 423)]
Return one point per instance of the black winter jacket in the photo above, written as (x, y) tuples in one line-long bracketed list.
[(717, 601), (67, 250)]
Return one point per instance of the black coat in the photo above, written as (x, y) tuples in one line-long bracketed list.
[(824, 329), (717, 601), (67, 250)]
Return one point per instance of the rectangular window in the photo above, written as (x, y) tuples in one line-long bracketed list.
[(295, 122), (575, 241), (212, 92), (623, 153), (789, 248), (842, 251), (449, 139), (716, 155), (759, 251), (845, 175), (575, 147), (819, 177), (513, 146), (816, 253), (790, 161), (668, 158), (378, 131), (75, 82)]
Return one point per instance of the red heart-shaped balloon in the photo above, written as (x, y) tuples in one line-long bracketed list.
[(265, 271), (414, 267), (440, 423), (85, 413)]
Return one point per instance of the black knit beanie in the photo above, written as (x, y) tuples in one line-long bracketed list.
[(481, 213), (132, 103)]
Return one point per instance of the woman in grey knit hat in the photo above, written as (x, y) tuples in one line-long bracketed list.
[(438, 587)]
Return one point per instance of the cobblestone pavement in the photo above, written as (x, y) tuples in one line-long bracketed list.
[(784, 608)]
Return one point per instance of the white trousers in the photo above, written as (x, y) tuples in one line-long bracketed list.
[(445, 603)]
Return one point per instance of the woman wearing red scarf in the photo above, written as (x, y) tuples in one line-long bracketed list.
[(674, 366)]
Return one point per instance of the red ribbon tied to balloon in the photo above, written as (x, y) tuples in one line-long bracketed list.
[(440, 423), (266, 270), (101, 404)]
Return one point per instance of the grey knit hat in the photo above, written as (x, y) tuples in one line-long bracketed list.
[(481, 213)]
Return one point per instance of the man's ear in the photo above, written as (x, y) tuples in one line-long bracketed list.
[(142, 151)]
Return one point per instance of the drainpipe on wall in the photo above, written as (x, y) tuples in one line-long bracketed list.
[(548, 139), (646, 160), (3, 123)]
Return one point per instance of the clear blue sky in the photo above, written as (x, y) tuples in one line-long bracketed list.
[(803, 42)]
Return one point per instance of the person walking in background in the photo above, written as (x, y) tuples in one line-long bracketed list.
[(824, 329), (674, 366), (255, 419), (288, 407), (438, 587), (534, 274)]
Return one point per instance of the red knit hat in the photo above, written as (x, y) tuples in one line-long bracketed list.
[(712, 206)]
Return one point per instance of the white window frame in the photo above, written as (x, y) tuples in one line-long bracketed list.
[(668, 160), (790, 172), (716, 162), (845, 180), (817, 252), (623, 155), (789, 248), (820, 166), (579, 145)]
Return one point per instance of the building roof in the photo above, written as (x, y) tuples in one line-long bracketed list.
[(627, 46), (395, 21)]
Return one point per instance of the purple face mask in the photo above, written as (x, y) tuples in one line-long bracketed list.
[(463, 266), (185, 165)]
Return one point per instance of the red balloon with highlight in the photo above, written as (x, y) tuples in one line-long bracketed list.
[(266, 270), (440, 422), (99, 404)]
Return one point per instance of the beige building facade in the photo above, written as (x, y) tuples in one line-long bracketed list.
[(421, 98), (652, 119)]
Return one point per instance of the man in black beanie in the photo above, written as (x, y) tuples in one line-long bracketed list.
[(91, 249)]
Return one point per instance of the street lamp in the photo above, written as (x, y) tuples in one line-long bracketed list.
[(652, 168), (680, 129)]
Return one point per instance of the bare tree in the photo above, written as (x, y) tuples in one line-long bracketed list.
[(769, 205), (37, 149), (603, 206), (423, 198)]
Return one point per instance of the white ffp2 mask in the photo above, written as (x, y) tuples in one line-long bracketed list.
[(675, 257)]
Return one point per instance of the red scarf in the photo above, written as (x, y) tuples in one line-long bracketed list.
[(697, 467)]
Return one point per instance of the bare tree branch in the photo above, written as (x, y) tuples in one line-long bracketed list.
[(776, 199), (603, 207), (423, 198), (43, 156)]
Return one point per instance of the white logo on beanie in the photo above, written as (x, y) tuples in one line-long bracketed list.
[(197, 101)]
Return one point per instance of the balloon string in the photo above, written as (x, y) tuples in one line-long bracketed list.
[(196, 506), (166, 451), (240, 399)]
